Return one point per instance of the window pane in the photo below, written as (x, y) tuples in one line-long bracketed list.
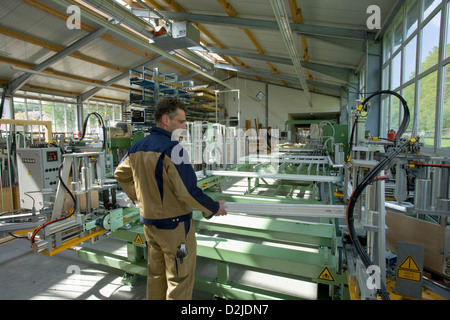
[(60, 116), (430, 43), (408, 95), (396, 71), (71, 114), (445, 142), (387, 46), (47, 112), (409, 64), (386, 78), (102, 111), (412, 13), (429, 6), (19, 109), (427, 105), (34, 112), (385, 119), (395, 116), (398, 31), (117, 114), (448, 32)]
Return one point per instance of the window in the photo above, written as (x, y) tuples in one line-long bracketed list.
[(409, 64), (398, 32), (427, 112), (395, 108), (412, 14), (33, 110), (425, 72), (387, 46), (47, 113), (445, 139), (71, 115), (117, 114), (60, 117), (19, 109), (429, 6), (63, 114), (408, 95), (385, 85), (448, 31), (430, 43), (396, 71)]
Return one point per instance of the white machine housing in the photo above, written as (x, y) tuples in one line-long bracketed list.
[(37, 170)]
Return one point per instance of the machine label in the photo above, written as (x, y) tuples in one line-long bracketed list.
[(326, 275), (138, 239), (409, 270)]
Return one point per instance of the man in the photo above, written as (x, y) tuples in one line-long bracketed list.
[(269, 139), (167, 192)]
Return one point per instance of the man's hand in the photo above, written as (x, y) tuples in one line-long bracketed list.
[(222, 211)]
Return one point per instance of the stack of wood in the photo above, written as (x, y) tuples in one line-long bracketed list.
[(203, 93)]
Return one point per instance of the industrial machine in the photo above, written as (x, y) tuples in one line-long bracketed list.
[(60, 188), (316, 211), (38, 175)]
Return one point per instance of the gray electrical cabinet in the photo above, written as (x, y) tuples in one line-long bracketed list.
[(37, 170)]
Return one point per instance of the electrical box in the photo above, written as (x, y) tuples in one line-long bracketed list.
[(184, 35), (37, 170)]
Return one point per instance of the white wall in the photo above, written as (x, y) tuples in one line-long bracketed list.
[(282, 101)]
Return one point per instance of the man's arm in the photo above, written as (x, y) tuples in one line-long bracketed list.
[(124, 176), (184, 181)]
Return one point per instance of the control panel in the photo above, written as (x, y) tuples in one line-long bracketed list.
[(37, 169)]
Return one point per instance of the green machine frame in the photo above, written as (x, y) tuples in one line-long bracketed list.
[(242, 240)]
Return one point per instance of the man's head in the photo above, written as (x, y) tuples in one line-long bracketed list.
[(170, 114)]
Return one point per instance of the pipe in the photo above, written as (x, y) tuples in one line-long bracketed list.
[(2, 104)]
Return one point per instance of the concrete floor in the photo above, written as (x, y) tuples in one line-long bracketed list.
[(27, 275)]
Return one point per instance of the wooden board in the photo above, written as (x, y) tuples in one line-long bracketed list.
[(408, 229), (204, 96), (202, 89)]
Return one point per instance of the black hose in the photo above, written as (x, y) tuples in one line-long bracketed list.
[(399, 145), (102, 123), (32, 240)]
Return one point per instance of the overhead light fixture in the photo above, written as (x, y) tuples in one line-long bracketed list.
[(260, 95)]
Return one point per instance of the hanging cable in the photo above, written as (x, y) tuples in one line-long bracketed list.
[(102, 123), (70, 212), (399, 145)]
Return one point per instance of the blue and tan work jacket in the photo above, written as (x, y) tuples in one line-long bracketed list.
[(166, 190)]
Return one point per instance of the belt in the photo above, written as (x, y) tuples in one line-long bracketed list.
[(169, 223)]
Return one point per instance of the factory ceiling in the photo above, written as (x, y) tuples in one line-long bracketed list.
[(84, 49)]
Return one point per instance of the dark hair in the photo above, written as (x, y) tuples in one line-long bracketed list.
[(168, 106)]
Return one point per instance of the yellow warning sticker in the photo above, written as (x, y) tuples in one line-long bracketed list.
[(409, 270), (138, 239), (326, 275)]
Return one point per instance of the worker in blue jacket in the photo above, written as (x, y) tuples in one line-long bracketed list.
[(166, 188)]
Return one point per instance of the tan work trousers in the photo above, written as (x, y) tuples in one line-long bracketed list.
[(170, 277)]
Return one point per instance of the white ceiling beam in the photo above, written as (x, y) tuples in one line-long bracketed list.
[(18, 82)]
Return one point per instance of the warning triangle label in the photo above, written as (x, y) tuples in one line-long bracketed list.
[(410, 264), (138, 239), (326, 275), (409, 270)]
